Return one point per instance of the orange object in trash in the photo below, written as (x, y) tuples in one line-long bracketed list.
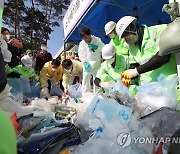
[(14, 121), (65, 152)]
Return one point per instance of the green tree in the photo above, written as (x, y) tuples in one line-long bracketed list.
[(33, 20)]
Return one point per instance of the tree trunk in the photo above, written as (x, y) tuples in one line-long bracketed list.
[(32, 24), (45, 20), (48, 19), (15, 18), (18, 20)]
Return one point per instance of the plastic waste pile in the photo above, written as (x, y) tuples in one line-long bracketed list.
[(105, 123)]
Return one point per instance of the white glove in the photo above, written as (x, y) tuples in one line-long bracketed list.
[(105, 84), (132, 72), (44, 93)]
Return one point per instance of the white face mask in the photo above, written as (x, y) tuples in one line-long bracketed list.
[(112, 35), (110, 61), (69, 71), (54, 69)]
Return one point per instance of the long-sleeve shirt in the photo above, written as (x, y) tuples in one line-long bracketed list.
[(47, 72)]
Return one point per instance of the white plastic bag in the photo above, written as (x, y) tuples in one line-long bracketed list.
[(118, 86), (158, 94), (75, 91), (40, 105)]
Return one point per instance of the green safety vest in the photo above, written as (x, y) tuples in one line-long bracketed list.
[(7, 135), (122, 48), (108, 73), (148, 49), (29, 73)]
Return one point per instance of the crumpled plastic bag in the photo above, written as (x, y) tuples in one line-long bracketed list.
[(26, 88), (75, 91), (35, 89), (10, 106), (123, 99), (56, 91), (118, 86), (107, 140), (110, 108), (40, 104), (158, 94)]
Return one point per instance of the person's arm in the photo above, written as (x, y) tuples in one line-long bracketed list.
[(154, 63), (43, 77), (81, 52), (100, 44), (65, 79), (59, 74)]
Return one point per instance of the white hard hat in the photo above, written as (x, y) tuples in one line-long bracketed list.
[(108, 51), (109, 27), (123, 23), (4, 49), (27, 61)]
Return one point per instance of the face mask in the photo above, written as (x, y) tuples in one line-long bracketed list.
[(88, 40), (54, 69), (69, 71), (112, 35), (110, 61)]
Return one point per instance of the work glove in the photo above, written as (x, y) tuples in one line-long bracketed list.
[(126, 82), (127, 75), (92, 46), (130, 73), (87, 67), (105, 84), (44, 93)]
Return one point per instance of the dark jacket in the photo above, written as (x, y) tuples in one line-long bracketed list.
[(3, 78), (16, 54), (41, 59)]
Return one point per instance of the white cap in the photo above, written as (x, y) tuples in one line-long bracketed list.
[(27, 61), (109, 27), (108, 51), (4, 49), (123, 23)]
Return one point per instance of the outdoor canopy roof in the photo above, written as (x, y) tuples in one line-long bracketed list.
[(147, 12)]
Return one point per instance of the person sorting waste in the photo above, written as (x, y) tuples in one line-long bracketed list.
[(25, 69), (143, 46), (111, 68), (24, 78), (120, 44), (72, 72), (89, 52), (53, 72)]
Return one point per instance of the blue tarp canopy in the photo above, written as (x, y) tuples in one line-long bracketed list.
[(147, 12)]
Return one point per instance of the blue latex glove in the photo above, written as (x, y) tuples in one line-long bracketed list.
[(92, 46), (87, 67)]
